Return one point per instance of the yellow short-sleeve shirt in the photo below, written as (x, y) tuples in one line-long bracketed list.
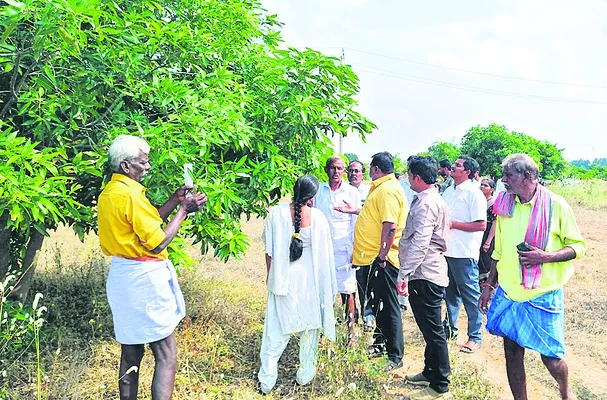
[(511, 231), (129, 225), (386, 202)]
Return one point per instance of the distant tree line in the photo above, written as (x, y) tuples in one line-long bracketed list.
[(586, 169), (489, 145)]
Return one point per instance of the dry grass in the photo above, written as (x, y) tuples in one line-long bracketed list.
[(220, 339)]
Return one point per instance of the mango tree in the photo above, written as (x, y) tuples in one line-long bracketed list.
[(206, 82), (444, 150), (491, 144)]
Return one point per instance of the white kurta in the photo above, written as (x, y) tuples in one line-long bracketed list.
[(300, 308), (341, 226), (281, 283)]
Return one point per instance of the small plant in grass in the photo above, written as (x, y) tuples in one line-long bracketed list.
[(468, 382), (346, 372), (19, 333), (583, 393)]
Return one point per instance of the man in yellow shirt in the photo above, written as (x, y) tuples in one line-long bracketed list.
[(142, 287), (535, 240), (378, 229)]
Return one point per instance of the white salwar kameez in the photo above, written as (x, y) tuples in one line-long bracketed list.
[(300, 294)]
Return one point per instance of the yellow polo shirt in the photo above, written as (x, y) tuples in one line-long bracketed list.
[(511, 231), (129, 225), (386, 202)]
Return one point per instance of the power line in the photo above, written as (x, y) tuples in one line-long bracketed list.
[(474, 72), (418, 79)]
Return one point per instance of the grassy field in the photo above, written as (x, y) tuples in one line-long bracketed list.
[(220, 338)]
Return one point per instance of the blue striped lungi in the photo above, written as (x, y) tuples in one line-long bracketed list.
[(145, 298), (536, 324)]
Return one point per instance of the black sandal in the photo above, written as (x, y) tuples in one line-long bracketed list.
[(375, 350)]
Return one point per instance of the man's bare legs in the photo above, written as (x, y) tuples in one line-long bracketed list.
[(350, 319), (515, 368), (165, 356), (128, 382), (560, 372)]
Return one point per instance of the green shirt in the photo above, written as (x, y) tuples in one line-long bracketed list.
[(511, 231)]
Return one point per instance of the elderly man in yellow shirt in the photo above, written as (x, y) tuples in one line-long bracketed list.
[(535, 240), (378, 229), (142, 287)]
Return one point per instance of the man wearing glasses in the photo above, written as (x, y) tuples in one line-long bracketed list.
[(356, 174)]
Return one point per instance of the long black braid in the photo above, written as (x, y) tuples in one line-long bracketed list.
[(305, 188)]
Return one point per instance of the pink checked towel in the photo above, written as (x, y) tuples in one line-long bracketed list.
[(538, 230)]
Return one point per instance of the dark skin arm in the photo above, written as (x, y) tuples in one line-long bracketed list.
[(388, 230), (474, 226), (527, 258), (188, 205), (167, 208), (538, 256), (347, 208), (487, 290)]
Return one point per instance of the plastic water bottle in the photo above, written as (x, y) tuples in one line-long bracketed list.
[(187, 174), (187, 179)]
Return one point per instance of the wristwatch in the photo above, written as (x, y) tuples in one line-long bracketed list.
[(380, 260)]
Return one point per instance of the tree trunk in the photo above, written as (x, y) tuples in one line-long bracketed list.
[(5, 246), (28, 266)]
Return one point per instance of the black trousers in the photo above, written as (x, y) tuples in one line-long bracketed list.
[(362, 281), (426, 300), (384, 303)]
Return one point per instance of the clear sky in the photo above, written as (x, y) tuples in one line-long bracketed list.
[(414, 59)]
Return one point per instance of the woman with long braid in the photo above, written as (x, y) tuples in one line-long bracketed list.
[(301, 283)]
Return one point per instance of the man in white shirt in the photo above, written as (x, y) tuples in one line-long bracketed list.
[(356, 174), (468, 213), (332, 194)]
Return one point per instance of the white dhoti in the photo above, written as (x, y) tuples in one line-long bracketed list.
[(145, 298), (345, 276)]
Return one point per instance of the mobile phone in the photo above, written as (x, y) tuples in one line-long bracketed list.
[(522, 247)]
